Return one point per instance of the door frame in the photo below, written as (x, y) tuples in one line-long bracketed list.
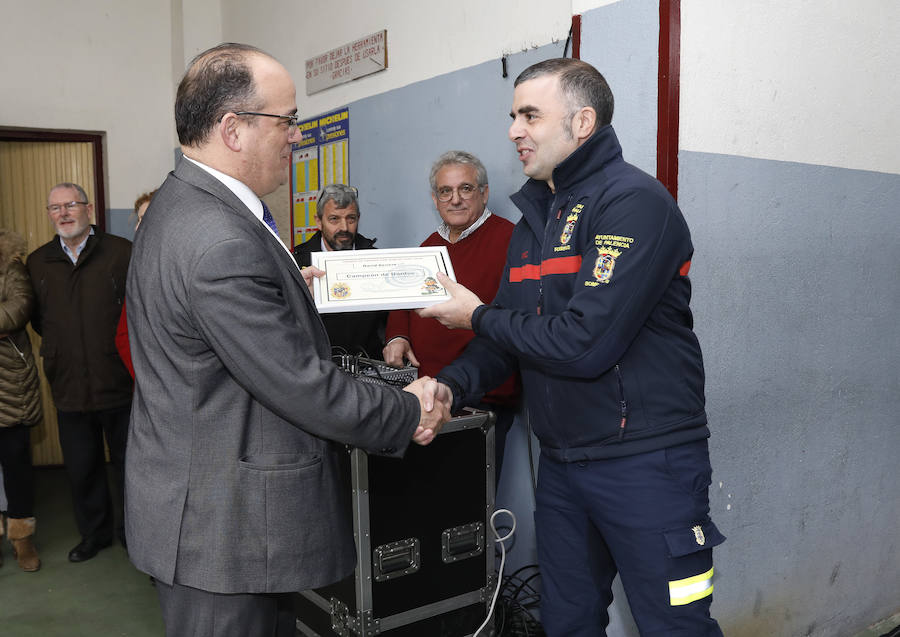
[(95, 138)]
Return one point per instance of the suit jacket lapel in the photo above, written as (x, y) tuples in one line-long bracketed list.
[(191, 173)]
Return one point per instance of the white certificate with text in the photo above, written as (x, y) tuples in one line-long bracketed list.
[(389, 279)]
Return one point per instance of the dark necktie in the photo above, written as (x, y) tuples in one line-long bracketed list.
[(267, 217)]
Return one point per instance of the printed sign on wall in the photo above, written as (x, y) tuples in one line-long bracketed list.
[(320, 158), (347, 62)]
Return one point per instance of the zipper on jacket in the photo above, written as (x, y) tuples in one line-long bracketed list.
[(18, 351), (115, 287), (554, 223), (623, 405)]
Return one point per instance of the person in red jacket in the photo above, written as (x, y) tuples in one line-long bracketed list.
[(476, 240), (122, 346)]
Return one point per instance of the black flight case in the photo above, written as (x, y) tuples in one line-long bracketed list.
[(425, 552)]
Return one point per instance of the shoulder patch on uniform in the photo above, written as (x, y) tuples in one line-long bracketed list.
[(609, 247), (606, 262)]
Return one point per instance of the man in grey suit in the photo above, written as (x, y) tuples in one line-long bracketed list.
[(233, 489)]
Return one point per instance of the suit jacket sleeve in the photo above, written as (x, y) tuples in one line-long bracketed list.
[(248, 315)]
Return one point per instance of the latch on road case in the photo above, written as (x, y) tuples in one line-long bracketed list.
[(396, 559), (461, 542), (340, 618)]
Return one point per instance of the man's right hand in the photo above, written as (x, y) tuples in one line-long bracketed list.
[(434, 402), (398, 349), (310, 274)]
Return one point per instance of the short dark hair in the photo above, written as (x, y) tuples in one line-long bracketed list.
[(581, 84), (218, 81), (342, 195), (452, 157)]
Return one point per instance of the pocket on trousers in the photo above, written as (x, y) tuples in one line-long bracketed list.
[(689, 466), (690, 567), (692, 539)]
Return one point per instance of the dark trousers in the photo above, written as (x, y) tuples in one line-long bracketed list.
[(81, 436), (644, 516), (191, 612), (18, 474)]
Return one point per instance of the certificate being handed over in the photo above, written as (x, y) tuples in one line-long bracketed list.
[(390, 279)]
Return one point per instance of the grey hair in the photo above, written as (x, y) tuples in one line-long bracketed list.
[(458, 157), (581, 85), (341, 194), (68, 184)]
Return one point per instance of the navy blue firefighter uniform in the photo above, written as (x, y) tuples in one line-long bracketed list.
[(594, 311)]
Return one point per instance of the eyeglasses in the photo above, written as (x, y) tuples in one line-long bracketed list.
[(466, 191), (71, 205), (292, 120)]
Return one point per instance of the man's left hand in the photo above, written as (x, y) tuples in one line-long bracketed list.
[(457, 312)]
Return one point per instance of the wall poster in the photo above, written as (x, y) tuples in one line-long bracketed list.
[(320, 158)]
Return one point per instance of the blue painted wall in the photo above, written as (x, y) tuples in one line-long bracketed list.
[(120, 221), (396, 136), (621, 40)]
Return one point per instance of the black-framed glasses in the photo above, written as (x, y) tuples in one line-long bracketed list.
[(69, 205), (466, 191), (292, 120)]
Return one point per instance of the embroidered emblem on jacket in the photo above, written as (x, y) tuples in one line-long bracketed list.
[(606, 262), (698, 535), (568, 228), (571, 218)]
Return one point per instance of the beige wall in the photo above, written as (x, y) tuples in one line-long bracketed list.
[(94, 65), (425, 39), (112, 66)]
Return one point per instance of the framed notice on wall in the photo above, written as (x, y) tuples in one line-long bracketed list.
[(320, 158)]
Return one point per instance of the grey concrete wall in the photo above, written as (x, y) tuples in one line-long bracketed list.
[(796, 300)]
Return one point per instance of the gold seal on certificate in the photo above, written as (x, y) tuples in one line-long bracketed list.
[(389, 279)]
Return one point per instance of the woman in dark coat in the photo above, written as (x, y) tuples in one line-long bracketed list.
[(20, 399)]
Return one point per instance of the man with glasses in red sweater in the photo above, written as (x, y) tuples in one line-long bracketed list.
[(476, 240)]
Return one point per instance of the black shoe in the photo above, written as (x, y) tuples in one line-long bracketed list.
[(87, 549)]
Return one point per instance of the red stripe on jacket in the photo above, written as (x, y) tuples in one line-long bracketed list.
[(562, 265)]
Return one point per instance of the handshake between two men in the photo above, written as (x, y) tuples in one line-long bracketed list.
[(435, 398), (434, 402)]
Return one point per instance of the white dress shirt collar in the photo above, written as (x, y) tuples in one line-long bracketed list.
[(242, 192), (73, 255), (444, 229)]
